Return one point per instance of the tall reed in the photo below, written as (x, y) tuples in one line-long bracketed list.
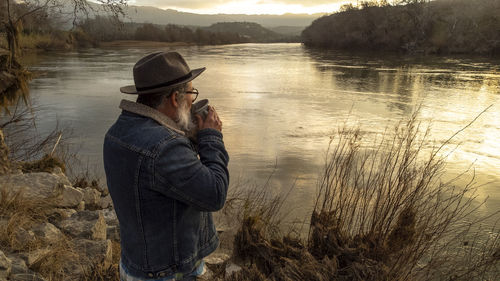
[(383, 211), (390, 204)]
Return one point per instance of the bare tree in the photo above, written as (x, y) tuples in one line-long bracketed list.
[(14, 77), (13, 19)]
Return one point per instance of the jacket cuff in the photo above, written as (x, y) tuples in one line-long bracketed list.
[(209, 133)]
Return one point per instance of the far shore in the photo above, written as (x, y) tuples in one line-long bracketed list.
[(137, 43)]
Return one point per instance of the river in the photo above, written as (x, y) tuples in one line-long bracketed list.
[(280, 103)]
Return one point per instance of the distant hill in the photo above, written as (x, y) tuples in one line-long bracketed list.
[(288, 30), (254, 32), (287, 24), (143, 14)]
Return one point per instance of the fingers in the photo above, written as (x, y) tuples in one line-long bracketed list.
[(212, 120), (199, 121)]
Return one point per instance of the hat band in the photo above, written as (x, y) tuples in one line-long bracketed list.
[(166, 84)]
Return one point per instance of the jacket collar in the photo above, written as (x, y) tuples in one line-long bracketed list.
[(154, 114)]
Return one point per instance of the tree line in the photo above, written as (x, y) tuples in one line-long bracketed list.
[(102, 29), (411, 26)]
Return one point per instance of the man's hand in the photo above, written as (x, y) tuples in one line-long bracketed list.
[(212, 120)]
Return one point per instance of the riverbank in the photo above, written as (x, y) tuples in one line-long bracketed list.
[(427, 27), (66, 41), (141, 44), (399, 222), (52, 229), (355, 79)]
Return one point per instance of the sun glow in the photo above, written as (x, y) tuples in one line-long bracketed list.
[(256, 7)]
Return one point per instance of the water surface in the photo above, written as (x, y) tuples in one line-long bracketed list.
[(280, 103)]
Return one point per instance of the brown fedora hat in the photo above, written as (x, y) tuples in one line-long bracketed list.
[(160, 71)]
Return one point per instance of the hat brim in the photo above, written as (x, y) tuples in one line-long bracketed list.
[(132, 90)]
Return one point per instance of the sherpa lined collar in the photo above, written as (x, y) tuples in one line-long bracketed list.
[(154, 114)]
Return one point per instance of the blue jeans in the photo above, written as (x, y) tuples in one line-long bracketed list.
[(125, 276)]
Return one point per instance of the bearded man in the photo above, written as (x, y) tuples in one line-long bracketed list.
[(163, 185)]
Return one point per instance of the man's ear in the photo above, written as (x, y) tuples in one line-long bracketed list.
[(173, 99)]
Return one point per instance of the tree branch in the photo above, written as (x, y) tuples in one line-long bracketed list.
[(33, 11)]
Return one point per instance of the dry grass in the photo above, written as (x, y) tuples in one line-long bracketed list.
[(32, 151), (20, 215), (99, 272), (391, 201), (46, 164), (382, 213), (247, 200), (3, 41), (58, 260), (44, 41)]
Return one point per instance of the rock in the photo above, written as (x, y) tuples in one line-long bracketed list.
[(57, 171), (216, 263), (85, 224), (3, 224), (104, 191), (69, 197), (81, 206), (5, 265), (23, 236), (28, 276), (91, 251), (18, 264), (216, 258), (113, 232), (37, 255), (48, 233), (207, 276), (63, 213), (4, 150), (17, 172), (105, 202), (58, 214), (91, 197), (43, 186), (232, 268), (110, 217)]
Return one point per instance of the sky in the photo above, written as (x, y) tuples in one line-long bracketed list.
[(246, 6)]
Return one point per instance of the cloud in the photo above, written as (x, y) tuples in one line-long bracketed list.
[(309, 3), (204, 4), (189, 4)]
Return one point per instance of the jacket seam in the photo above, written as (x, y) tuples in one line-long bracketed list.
[(181, 194), (211, 138), (138, 211), (157, 149), (174, 228), (197, 253), (130, 147), (177, 190)]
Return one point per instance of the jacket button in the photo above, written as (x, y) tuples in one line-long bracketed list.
[(150, 275)]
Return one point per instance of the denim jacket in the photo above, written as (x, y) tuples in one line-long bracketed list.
[(164, 190)]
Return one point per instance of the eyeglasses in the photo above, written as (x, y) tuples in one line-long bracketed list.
[(193, 92)]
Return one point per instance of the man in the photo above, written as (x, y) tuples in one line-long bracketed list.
[(164, 187)]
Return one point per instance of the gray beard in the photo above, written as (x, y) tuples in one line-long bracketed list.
[(185, 121)]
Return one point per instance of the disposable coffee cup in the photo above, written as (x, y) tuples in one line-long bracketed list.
[(201, 108)]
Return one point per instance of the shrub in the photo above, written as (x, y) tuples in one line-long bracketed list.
[(382, 213)]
